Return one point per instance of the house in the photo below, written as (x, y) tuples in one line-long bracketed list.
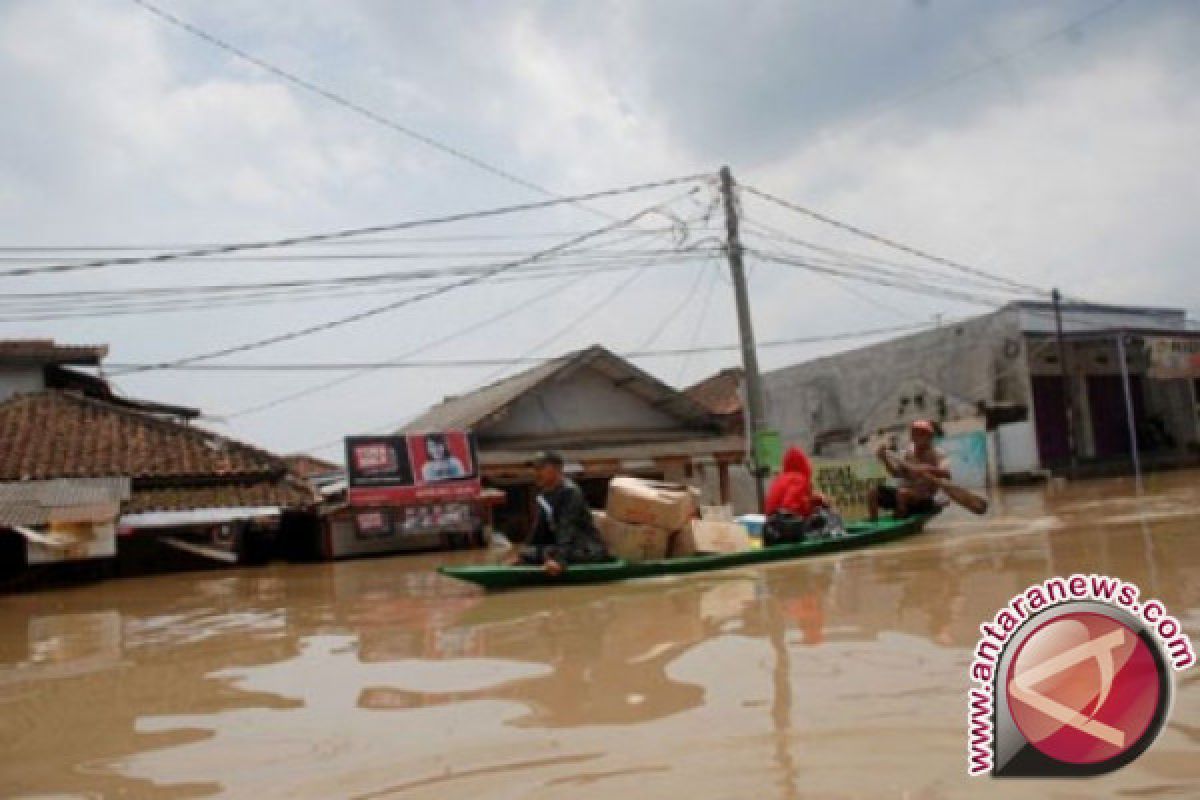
[(999, 375), (86, 474), (604, 414), (32, 365), (721, 394)]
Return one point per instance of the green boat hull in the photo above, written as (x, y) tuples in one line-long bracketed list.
[(861, 534)]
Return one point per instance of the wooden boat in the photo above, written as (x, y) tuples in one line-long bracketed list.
[(858, 534)]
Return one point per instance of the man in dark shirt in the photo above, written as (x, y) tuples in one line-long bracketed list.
[(564, 532)]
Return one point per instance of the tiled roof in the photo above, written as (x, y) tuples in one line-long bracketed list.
[(281, 492), (47, 351), (56, 434), (719, 393), (305, 466)]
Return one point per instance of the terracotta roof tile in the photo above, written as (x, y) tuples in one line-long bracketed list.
[(56, 434), (265, 493), (719, 393), (305, 466)]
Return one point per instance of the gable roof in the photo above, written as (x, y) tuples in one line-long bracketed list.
[(719, 393), (47, 351), (471, 410), (57, 434)]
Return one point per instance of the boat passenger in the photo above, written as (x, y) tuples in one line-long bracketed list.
[(915, 472), (792, 491), (564, 532), (794, 510)]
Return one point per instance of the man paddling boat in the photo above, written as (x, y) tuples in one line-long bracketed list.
[(918, 472), (564, 532)]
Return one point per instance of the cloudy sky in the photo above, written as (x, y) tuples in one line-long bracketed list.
[(1052, 143)]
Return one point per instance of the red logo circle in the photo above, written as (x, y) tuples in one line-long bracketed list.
[(1083, 688)]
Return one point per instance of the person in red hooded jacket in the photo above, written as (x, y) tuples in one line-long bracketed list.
[(792, 491)]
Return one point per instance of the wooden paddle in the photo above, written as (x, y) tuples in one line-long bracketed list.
[(972, 502)]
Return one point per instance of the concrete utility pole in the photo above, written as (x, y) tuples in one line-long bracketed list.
[(754, 403), (1068, 405)]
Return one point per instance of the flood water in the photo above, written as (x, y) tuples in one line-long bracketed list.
[(838, 676)]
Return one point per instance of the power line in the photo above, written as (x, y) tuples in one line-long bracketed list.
[(259, 300), (366, 368), (523, 360), (348, 104), (338, 234), (985, 66), (466, 237), (392, 306), (714, 274), (839, 257), (845, 226), (908, 286), (101, 304), (669, 318)]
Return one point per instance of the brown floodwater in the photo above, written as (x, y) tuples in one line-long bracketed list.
[(837, 676)]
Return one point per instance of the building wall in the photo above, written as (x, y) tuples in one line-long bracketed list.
[(588, 404), (1168, 402), (977, 360), (20, 380)]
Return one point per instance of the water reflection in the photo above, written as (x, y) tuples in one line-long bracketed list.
[(840, 676)]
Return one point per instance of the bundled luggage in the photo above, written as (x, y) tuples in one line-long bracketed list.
[(784, 528)]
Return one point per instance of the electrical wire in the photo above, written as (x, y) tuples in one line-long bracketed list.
[(364, 369), (344, 233), (845, 226), (467, 237), (834, 256), (670, 317), (344, 102), (987, 65), (529, 359), (686, 361), (369, 368), (406, 301), (908, 286)]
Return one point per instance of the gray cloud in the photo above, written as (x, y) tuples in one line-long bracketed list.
[(1073, 162)]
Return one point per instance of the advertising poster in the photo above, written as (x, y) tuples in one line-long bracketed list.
[(1173, 357), (412, 469)]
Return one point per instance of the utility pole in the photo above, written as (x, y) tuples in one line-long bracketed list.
[(753, 412), (1068, 405)]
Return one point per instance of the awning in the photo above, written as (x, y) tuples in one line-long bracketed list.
[(200, 516)]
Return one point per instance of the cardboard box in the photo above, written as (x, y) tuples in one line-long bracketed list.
[(682, 543), (664, 505), (631, 542), (708, 536), (717, 513)]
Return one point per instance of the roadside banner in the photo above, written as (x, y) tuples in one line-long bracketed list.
[(845, 483)]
